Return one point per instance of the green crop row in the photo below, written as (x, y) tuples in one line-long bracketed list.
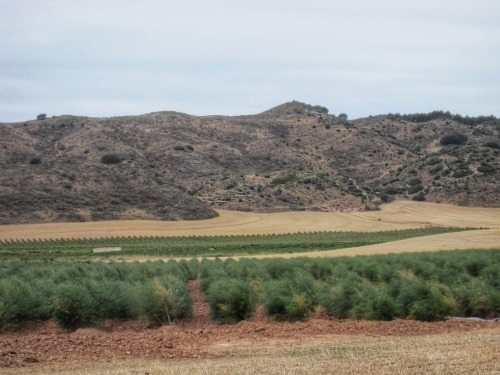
[(203, 245), (422, 286), (77, 294)]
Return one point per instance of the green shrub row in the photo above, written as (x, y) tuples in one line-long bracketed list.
[(84, 294), (423, 286)]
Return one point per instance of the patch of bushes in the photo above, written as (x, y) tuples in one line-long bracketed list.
[(77, 294), (415, 189), (461, 173), (454, 139), (230, 300), (166, 299), (420, 197), (392, 190), (111, 159), (74, 306), (436, 169), (415, 181), (281, 180), (493, 144), (35, 161), (425, 286), (179, 148), (424, 117), (320, 109), (433, 160), (386, 198), (486, 168), (291, 298)]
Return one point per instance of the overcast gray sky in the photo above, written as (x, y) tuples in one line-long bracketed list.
[(361, 57)]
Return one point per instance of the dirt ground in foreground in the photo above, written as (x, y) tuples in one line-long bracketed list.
[(42, 344)]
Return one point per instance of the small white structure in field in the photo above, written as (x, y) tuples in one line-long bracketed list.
[(105, 249)]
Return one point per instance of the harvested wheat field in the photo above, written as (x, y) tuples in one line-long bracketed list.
[(392, 216)]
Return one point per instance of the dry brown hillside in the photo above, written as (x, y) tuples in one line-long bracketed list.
[(169, 165)]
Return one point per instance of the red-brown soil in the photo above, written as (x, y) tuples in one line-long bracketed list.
[(43, 343)]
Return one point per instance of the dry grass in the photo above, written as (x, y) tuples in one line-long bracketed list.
[(476, 352)]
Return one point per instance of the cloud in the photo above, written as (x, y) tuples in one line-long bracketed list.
[(112, 57)]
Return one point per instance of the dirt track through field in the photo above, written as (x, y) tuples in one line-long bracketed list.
[(396, 215)]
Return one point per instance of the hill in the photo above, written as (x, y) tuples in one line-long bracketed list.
[(172, 166)]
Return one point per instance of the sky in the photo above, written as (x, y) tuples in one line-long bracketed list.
[(229, 57)]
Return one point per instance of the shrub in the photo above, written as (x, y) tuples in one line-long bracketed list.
[(454, 139), (420, 197), (292, 298), (73, 306), (486, 168), (338, 300), (114, 300), (283, 179), (179, 148), (461, 173), (17, 302), (415, 181), (386, 198), (433, 160), (41, 116), (320, 109), (384, 307), (436, 169), (493, 144), (35, 161), (425, 301), (275, 298), (391, 190), (111, 159), (435, 303), (230, 300), (166, 299), (415, 189), (478, 299)]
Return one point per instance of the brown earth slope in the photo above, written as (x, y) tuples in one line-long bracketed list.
[(170, 166)]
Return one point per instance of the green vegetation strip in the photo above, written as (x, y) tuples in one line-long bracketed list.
[(200, 246), (422, 286)]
